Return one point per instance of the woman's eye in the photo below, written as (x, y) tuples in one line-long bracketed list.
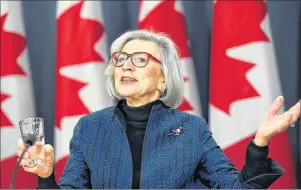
[(121, 59), (141, 60)]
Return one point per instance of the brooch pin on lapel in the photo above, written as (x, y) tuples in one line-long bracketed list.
[(176, 132)]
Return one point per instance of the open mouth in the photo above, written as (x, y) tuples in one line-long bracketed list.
[(127, 79)]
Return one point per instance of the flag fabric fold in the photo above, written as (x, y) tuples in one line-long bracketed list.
[(168, 17), (17, 100), (81, 62), (244, 82)]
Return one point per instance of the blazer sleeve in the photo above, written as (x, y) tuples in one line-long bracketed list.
[(76, 174), (215, 170)]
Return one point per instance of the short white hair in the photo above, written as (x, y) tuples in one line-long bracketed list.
[(170, 65)]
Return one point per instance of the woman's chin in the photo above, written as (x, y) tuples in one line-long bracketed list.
[(127, 93)]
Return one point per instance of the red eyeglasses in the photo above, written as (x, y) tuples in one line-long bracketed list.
[(139, 59)]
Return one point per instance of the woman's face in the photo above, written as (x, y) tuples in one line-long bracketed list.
[(142, 84)]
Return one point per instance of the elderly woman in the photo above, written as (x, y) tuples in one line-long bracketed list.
[(144, 142)]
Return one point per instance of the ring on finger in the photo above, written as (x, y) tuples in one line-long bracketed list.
[(292, 124)]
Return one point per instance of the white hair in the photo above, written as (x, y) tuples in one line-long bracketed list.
[(170, 65)]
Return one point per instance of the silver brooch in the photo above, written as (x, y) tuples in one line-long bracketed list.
[(176, 132)]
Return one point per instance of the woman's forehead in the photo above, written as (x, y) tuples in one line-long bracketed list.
[(141, 46)]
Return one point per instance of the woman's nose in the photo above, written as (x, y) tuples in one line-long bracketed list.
[(128, 65)]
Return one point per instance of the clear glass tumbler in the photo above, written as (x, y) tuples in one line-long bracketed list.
[(34, 126)]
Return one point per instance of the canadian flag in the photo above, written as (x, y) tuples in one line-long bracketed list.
[(81, 62), (168, 17), (16, 93), (244, 82)]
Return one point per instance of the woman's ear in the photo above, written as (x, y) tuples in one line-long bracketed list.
[(163, 86)]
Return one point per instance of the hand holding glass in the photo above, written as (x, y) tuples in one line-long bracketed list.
[(34, 126)]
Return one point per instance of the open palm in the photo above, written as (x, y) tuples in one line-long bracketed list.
[(272, 124)]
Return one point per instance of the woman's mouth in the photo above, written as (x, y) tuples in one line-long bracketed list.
[(127, 80)]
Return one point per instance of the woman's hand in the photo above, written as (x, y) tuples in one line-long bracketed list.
[(45, 152), (272, 124)]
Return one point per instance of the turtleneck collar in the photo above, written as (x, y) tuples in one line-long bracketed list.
[(137, 114)]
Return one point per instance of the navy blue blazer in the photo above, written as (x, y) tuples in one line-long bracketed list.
[(100, 155)]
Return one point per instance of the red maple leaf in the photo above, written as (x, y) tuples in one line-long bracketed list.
[(173, 24), (5, 122), (235, 23), (164, 18), (12, 45), (76, 41)]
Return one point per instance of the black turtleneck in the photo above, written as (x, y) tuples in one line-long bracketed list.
[(136, 120)]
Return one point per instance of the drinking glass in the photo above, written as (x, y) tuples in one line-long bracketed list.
[(34, 126)]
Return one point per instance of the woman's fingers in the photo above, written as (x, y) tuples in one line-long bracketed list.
[(284, 121), (44, 152), (21, 144), (25, 156), (295, 111), (25, 162), (20, 147), (49, 155), (49, 150), (276, 105), (20, 152)]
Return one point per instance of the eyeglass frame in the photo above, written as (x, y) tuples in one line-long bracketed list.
[(130, 56)]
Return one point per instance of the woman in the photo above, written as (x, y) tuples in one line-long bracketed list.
[(143, 142)]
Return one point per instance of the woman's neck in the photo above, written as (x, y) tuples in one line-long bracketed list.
[(139, 102)]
